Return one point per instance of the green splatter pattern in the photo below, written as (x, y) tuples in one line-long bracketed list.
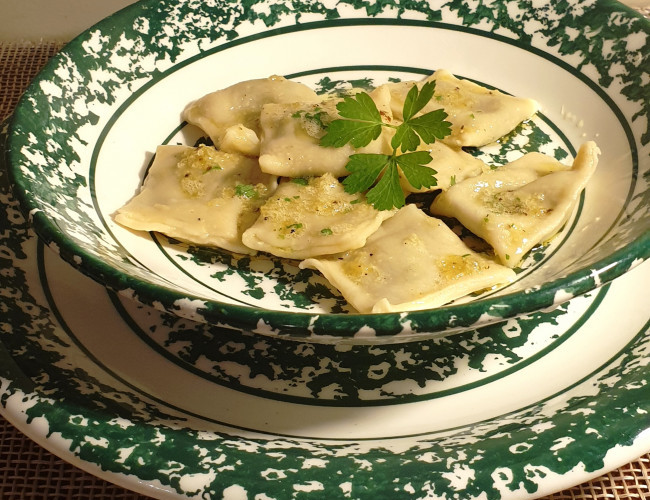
[(105, 67)]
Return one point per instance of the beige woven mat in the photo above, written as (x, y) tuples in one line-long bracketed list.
[(28, 472)]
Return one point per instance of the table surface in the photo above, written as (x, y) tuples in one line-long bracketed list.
[(28, 471)]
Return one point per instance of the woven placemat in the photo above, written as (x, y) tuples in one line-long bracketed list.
[(28, 472), (19, 63)]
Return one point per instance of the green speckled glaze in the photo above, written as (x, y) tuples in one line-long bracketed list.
[(99, 92), (177, 409)]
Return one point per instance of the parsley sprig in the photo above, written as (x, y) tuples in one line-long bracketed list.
[(361, 123)]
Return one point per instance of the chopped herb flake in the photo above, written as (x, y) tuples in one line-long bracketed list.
[(246, 191)]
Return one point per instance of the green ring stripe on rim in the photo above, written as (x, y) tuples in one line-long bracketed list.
[(355, 401), (431, 435)]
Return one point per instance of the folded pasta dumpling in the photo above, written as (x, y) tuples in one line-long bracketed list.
[(451, 164), (231, 116), (199, 195), (291, 134), (305, 218), (478, 115), (517, 206), (411, 262)]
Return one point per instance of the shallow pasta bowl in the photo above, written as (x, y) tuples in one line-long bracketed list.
[(83, 136)]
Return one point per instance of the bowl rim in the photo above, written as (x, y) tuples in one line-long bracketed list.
[(431, 322)]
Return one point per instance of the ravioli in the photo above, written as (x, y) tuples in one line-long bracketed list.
[(231, 116), (199, 195), (315, 217), (291, 133), (517, 206), (411, 262), (451, 164), (478, 115), (230, 196)]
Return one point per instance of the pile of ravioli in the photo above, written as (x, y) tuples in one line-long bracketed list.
[(268, 187)]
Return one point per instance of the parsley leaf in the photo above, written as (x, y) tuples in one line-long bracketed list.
[(431, 126), (417, 99), (379, 174), (405, 138), (359, 107), (427, 127), (361, 126), (387, 193), (413, 165), (365, 168)]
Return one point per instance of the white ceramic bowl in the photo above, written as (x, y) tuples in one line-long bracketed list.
[(84, 133)]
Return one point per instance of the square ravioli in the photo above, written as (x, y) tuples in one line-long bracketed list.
[(411, 262), (199, 195), (478, 115), (231, 116), (305, 218), (523, 203), (291, 134)]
